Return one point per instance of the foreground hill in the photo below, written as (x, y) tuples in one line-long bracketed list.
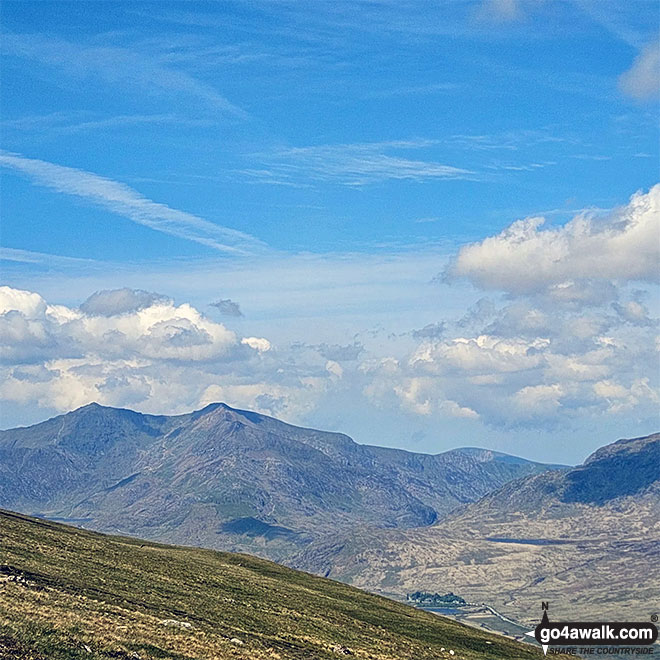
[(230, 479), (586, 539), (68, 594)]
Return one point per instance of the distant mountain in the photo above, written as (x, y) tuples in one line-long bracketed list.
[(586, 539), (85, 595), (231, 479)]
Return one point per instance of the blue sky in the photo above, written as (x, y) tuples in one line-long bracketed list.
[(325, 212)]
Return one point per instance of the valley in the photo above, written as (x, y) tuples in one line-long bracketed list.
[(586, 540), (497, 530), (71, 594)]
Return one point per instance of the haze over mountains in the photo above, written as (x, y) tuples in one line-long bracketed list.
[(586, 539), (231, 479)]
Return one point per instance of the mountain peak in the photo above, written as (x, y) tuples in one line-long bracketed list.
[(482, 455), (189, 478), (210, 407), (622, 468), (90, 406)]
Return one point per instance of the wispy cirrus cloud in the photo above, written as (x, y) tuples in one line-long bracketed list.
[(415, 90), (125, 201), (642, 80), (355, 164), (117, 66), (77, 122), (500, 11), (42, 259)]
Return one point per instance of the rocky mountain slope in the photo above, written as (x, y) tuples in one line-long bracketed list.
[(231, 479), (71, 594), (585, 539)]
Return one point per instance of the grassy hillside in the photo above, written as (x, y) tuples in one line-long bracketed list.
[(68, 593)]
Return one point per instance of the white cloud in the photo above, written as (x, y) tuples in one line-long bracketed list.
[(334, 368), (620, 398), (257, 343), (484, 354), (117, 67), (125, 201), (572, 339), (500, 10), (412, 393), (154, 329), (30, 305), (136, 349), (642, 80), (535, 400), (453, 409), (552, 354), (565, 261), (522, 379), (354, 164), (390, 382), (119, 301)]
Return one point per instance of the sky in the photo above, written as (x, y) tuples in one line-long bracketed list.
[(426, 225)]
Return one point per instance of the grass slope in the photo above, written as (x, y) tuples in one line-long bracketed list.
[(67, 593)]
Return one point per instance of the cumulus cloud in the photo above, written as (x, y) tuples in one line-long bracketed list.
[(338, 353), (571, 339), (227, 307), (131, 347), (620, 398), (110, 324), (480, 355), (642, 80), (585, 254), (257, 343), (334, 368), (28, 304), (522, 379), (574, 337), (119, 301), (391, 382), (430, 331)]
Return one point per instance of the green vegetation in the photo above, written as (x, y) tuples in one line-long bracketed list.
[(71, 594), (436, 600)]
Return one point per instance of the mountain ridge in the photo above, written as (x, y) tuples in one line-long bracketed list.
[(532, 539), (182, 478)]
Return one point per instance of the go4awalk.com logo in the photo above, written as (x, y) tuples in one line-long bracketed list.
[(591, 638)]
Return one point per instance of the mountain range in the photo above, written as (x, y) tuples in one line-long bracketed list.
[(586, 540), (484, 525), (231, 479)]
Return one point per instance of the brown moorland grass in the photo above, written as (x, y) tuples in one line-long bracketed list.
[(70, 594)]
